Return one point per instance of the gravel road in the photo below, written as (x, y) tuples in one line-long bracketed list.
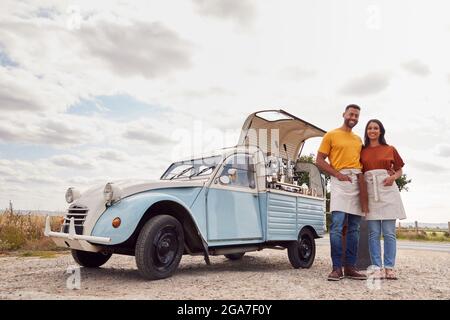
[(267, 274)]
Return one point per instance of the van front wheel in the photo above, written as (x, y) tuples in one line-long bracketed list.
[(159, 247), (234, 256), (90, 259)]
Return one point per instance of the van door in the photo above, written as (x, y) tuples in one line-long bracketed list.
[(232, 202)]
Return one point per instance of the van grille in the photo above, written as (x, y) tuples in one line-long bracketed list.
[(78, 213)]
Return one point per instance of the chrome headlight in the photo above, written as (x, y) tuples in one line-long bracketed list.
[(111, 192), (72, 194)]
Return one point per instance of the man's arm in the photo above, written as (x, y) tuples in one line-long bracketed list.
[(325, 167)]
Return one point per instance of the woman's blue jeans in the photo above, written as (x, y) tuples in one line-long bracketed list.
[(338, 219), (376, 227)]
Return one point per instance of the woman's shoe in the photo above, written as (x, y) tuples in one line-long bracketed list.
[(390, 274), (375, 273)]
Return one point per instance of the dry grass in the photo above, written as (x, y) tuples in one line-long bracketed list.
[(25, 232), (423, 235)]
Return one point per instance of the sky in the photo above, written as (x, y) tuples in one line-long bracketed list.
[(94, 91)]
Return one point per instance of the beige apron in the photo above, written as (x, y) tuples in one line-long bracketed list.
[(345, 194), (385, 203)]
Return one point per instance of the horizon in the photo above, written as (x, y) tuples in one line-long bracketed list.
[(36, 211)]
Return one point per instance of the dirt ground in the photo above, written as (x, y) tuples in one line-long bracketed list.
[(260, 275)]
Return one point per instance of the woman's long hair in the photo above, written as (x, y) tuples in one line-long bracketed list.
[(381, 138)]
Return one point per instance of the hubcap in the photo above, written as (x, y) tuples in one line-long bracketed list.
[(305, 248), (165, 247)]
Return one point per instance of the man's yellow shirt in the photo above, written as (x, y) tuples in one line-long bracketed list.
[(343, 148)]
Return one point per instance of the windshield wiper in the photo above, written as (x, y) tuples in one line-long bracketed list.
[(201, 171), (182, 172)]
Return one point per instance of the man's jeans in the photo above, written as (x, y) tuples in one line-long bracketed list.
[(338, 219), (390, 243)]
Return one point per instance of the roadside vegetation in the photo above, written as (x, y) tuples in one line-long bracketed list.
[(423, 235), (24, 234)]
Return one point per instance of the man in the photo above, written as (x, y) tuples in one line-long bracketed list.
[(343, 148)]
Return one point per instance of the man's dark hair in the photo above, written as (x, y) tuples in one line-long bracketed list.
[(354, 106)]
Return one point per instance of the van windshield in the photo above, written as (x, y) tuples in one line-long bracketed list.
[(201, 167)]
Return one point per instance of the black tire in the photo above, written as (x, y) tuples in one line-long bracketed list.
[(90, 259), (301, 253), (234, 256), (159, 247)]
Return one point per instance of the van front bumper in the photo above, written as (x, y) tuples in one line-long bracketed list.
[(73, 240)]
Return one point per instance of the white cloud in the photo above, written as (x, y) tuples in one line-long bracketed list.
[(242, 11), (147, 49), (111, 155), (297, 73), (443, 150), (145, 134), (428, 166), (49, 129), (369, 84), (417, 67), (68, 161), (207, 65)]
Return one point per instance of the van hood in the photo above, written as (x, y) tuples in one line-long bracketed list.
[(130, 187)]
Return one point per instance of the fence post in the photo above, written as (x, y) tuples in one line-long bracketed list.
[(416, 225), (449, 227)]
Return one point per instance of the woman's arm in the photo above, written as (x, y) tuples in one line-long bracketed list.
[(394, 175)]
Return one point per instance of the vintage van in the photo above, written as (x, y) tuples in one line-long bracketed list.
[(253, 196)]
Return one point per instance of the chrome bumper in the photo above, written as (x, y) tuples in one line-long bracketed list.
[(72, 234)]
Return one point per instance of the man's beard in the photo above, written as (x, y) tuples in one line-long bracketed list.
[(348, 124)]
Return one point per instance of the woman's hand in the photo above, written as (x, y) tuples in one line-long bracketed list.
[(389, 181)]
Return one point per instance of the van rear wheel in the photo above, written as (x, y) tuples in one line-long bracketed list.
[(302, 252)]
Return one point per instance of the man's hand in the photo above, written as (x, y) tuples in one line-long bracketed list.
[(343, 177), (389, 181)]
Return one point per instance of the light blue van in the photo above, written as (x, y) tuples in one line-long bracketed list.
[(253, 196)]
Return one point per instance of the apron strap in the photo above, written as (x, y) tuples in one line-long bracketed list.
[(375, 187)]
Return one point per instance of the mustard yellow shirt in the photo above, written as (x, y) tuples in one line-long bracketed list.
[(343, 148)]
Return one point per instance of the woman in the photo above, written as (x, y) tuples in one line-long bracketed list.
[(382, 165)]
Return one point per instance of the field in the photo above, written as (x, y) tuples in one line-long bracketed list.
[(423, 234), (26, 233)]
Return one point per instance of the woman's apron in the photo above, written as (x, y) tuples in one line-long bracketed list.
[(385, 202), (345, 194)]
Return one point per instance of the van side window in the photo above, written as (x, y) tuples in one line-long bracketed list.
[(241, 171)]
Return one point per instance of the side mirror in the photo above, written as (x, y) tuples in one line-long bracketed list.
[(224, 179)]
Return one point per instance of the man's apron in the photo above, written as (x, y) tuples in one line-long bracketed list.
[(385, 203), (345, 194)]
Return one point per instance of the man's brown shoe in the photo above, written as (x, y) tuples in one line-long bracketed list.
[(335, 275), (352, 273)]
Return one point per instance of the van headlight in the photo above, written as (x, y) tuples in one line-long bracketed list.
[(111, 193), (72, 194)]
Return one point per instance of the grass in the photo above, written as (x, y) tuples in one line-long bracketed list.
[(25, 233), (423, 235), (40, 254)]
